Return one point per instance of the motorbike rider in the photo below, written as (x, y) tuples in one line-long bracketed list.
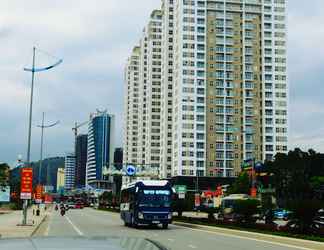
[(62, 210)]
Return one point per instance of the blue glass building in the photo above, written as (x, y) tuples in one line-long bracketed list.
[(100, 147)]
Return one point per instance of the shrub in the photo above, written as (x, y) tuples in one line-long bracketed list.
[(245, 210), (304, 212)]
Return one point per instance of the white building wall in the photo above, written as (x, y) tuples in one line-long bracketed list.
[(69, 171)]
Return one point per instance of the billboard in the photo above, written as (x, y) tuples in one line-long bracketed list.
[(26, 187), (38, 193), (5, 194)]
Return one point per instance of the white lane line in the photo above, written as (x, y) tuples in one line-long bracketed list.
[(192, 246), (48, 228), (171, 240), (74, 226), (246, 238)]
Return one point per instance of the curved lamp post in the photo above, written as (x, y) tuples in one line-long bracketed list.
[(33, 70), (43, 126)]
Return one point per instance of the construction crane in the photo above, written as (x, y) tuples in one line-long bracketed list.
[(76, 127), (75, 130)]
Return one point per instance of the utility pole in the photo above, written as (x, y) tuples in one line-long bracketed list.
[(33, 70), (42, 145)]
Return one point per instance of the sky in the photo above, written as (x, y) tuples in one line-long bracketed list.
[(94, 38)]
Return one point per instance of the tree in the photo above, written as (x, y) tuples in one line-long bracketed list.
[(293, 174), (304, 212), (241, 185)]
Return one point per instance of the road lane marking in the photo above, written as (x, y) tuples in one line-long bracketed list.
[(74, 226), (246, 238), (192, 246), (48, 228), (171, 240)]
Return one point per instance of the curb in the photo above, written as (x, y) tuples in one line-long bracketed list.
[(39, 224)]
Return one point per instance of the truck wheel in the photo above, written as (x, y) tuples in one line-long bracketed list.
[(165, 225)]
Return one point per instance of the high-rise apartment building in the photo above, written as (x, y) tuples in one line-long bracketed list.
[(223, 85), (69, 171), (167, 87), (81, 149), (143, 76), (133, 116), (100, 147)]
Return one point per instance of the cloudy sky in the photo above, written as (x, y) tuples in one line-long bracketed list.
[(94, 38)]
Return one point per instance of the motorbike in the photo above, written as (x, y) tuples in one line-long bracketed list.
[(62, 212), (56, 207)]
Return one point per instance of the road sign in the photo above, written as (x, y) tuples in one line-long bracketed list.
[(4, 194), (26, 187), (180, 189), (130, 170)]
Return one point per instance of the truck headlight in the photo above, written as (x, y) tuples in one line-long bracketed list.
[(140, 215), (169, 216)]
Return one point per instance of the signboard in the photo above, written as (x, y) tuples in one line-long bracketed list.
[(181, 195), (247, 164), (258, 166), (26, 187), (48, 188), (38, 193), (5, 194), (266, 190), (48, 199), (180, 189), (197, 200)]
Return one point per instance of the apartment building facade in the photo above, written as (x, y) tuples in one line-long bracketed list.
[(223, 86)]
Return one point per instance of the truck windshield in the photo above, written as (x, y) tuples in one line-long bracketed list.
[(154, 198)]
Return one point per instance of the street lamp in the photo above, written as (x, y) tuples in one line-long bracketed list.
[(42, 144), (33, 70)]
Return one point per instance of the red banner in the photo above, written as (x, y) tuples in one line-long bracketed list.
[(48, 199), (26, 187), (39, 193)]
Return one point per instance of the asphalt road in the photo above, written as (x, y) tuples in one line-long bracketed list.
[(89, 222)]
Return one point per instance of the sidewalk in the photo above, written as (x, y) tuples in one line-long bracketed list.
[(9, 222)]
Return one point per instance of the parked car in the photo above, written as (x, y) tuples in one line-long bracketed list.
[(70, 205), (282, 214), (79, 205), (318, 222)]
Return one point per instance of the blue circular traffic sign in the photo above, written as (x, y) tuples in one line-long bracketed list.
[(130, 170)]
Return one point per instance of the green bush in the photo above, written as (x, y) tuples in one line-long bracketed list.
[(304, 212), (245, 210)]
